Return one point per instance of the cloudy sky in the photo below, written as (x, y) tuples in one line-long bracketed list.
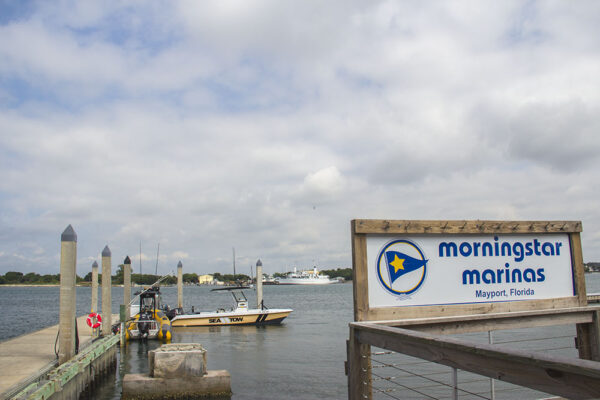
[(269, 125)]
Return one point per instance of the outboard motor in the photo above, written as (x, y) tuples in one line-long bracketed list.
[(144, 324)]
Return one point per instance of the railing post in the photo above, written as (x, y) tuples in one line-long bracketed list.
[(454, 384), (594, 337), (359, 368), (492, 383), (584, 339)]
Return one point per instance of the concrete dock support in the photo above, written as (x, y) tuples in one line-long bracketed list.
[(259, 288), (127, 286), (106, 292), (177, 371), (94, 287), (179, 285), (68, 265)]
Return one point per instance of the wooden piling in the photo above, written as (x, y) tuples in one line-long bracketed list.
[(127, 285), (106, 292), (94, 307), (68, 261), (179, 285), (259, 288)]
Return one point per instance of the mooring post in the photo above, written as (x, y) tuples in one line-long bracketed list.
[(127, 285), (259, 288), (94, 307), (68, 265), (106, 292), (179, 285)]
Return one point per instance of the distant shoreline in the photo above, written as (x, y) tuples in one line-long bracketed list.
[(43, 285)]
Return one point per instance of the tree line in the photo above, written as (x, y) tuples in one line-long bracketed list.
[(32, 278)]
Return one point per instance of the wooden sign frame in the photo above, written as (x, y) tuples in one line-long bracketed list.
[(360, 228)]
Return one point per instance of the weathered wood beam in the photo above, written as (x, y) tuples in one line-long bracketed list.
[(498, 321), (378, 226), (561, 376)]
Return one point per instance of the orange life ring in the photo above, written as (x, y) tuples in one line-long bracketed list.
[(96, 317)]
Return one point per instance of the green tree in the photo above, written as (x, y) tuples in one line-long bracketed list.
[(50, 278), (190, 278), (118, 277), (13, 277), (345, 273), (31, 277)]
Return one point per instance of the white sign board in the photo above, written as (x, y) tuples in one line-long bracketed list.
[(418, 270)]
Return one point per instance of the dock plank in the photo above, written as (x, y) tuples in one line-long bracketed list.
[(22, 358)]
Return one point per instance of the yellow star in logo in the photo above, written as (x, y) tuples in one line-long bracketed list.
[(398, 263)]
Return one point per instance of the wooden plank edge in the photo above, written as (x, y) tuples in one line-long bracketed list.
[(384, 226)]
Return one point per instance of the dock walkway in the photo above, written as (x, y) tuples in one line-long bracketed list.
[(23, 358)]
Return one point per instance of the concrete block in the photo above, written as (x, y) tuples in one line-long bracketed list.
[(177, 361), (141, 386)]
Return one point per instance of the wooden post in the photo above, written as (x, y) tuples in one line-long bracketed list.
[(68, 265), (179, 285), (595, 337), (94, 307), (584, 331), (106, 292), (359, 368), (127, 286), (259, 287)]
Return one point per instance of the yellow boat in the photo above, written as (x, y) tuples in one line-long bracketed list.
[(240, 315), (150, 322)]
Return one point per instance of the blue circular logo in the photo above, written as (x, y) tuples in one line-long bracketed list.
[(401, 267)]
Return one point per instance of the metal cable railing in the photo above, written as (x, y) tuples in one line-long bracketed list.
[(399, 376)]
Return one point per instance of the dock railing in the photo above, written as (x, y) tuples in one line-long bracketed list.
[(428, 340)]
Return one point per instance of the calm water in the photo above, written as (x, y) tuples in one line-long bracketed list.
[(302, 358)]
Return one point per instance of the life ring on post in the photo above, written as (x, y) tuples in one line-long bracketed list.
[(94, 320)]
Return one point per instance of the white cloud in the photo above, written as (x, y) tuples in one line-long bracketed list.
[(269, 127)]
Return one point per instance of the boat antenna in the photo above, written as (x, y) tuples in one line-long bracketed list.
[(157, 251)]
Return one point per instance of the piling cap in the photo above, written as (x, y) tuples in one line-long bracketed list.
[(95, 265), (259, 263), (179, 265), (68, 235), (106, 251), (127, 260)]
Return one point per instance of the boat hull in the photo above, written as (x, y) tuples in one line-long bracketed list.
[(266, 317), (301, 281)]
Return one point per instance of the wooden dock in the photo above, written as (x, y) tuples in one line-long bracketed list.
[(24, 358)]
